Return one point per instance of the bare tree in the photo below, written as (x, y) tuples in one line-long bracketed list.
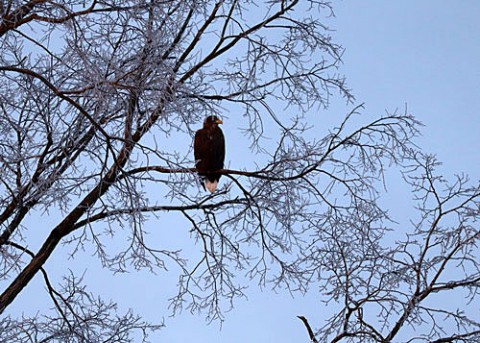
[(91, 96), (423, 287)]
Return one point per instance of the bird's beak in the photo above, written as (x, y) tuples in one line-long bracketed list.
[(219, 121)]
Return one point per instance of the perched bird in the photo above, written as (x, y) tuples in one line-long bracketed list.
[(209, 151)]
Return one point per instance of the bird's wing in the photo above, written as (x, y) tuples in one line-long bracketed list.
[(219, 143), (199, 145)]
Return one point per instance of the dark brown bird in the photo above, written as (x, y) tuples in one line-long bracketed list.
[(209, 151)]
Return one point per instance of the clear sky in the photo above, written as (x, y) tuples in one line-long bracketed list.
[(423, 54)]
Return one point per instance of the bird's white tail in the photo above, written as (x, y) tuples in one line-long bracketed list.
[(211, 186)]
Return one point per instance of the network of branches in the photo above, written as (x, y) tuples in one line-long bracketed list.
[(99, 101)]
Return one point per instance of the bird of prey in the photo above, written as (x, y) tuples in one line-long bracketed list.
[(209, 152)]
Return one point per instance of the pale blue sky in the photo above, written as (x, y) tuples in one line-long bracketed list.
[(424, 54)]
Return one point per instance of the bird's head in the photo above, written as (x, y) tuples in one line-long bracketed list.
[(212, 121)]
